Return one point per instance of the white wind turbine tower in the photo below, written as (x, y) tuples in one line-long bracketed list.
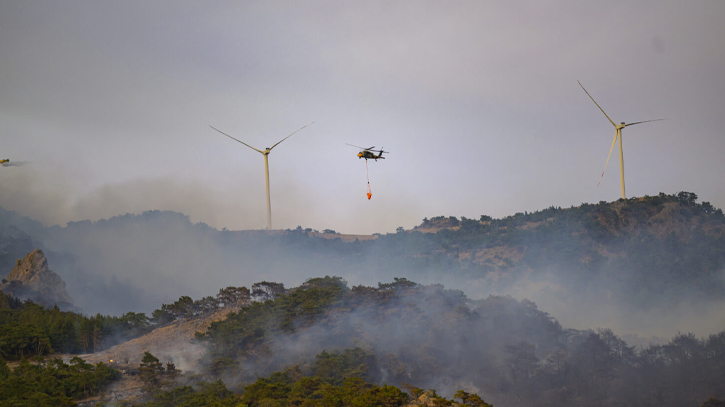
[(265, 153), (617, 134)]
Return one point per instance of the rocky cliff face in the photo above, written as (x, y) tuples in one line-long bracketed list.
[(32, 279)]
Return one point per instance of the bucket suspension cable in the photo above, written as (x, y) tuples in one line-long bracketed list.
[(367, 172)]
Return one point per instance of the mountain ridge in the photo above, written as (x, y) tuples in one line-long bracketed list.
[(641, 254)]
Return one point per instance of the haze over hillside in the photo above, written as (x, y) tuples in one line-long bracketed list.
[(652, 265), (291, 344), (508, 351)]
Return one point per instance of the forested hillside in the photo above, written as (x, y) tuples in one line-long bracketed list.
[(670, 236), (403, 333), (324, 340), (639, 255)]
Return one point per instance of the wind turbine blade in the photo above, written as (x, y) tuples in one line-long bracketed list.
[(646, 121), (235, 139), (610, 154), (595, 102), (291, 134)]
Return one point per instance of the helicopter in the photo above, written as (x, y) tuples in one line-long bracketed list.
[(369, 153), (6, 163)]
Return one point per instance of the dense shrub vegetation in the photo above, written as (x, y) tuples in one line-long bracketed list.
[(335, 379), (52, 383)]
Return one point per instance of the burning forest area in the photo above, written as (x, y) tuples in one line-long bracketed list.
[(326, 343), (462, 323), (362, 204)]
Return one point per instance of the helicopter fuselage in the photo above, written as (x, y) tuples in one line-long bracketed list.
[(369, 155)]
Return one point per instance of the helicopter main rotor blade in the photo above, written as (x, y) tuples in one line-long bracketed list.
[(646, 121), (236, 139), (291, 134), (361, 148), (352, 145), (595, 102)]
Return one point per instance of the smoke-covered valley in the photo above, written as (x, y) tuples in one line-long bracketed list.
[(600, 304), (651, 267)]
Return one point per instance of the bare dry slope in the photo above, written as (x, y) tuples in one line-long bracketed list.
[(172, 343)]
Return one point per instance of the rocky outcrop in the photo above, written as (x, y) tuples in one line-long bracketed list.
[(32, 279)]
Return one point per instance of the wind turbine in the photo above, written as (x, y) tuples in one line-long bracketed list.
[(617, 134), (265, 153)]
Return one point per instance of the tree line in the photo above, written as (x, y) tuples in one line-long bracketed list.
[(29, 329), (52, 383)]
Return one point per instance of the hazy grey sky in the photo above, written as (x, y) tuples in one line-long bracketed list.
[(109, 106)]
